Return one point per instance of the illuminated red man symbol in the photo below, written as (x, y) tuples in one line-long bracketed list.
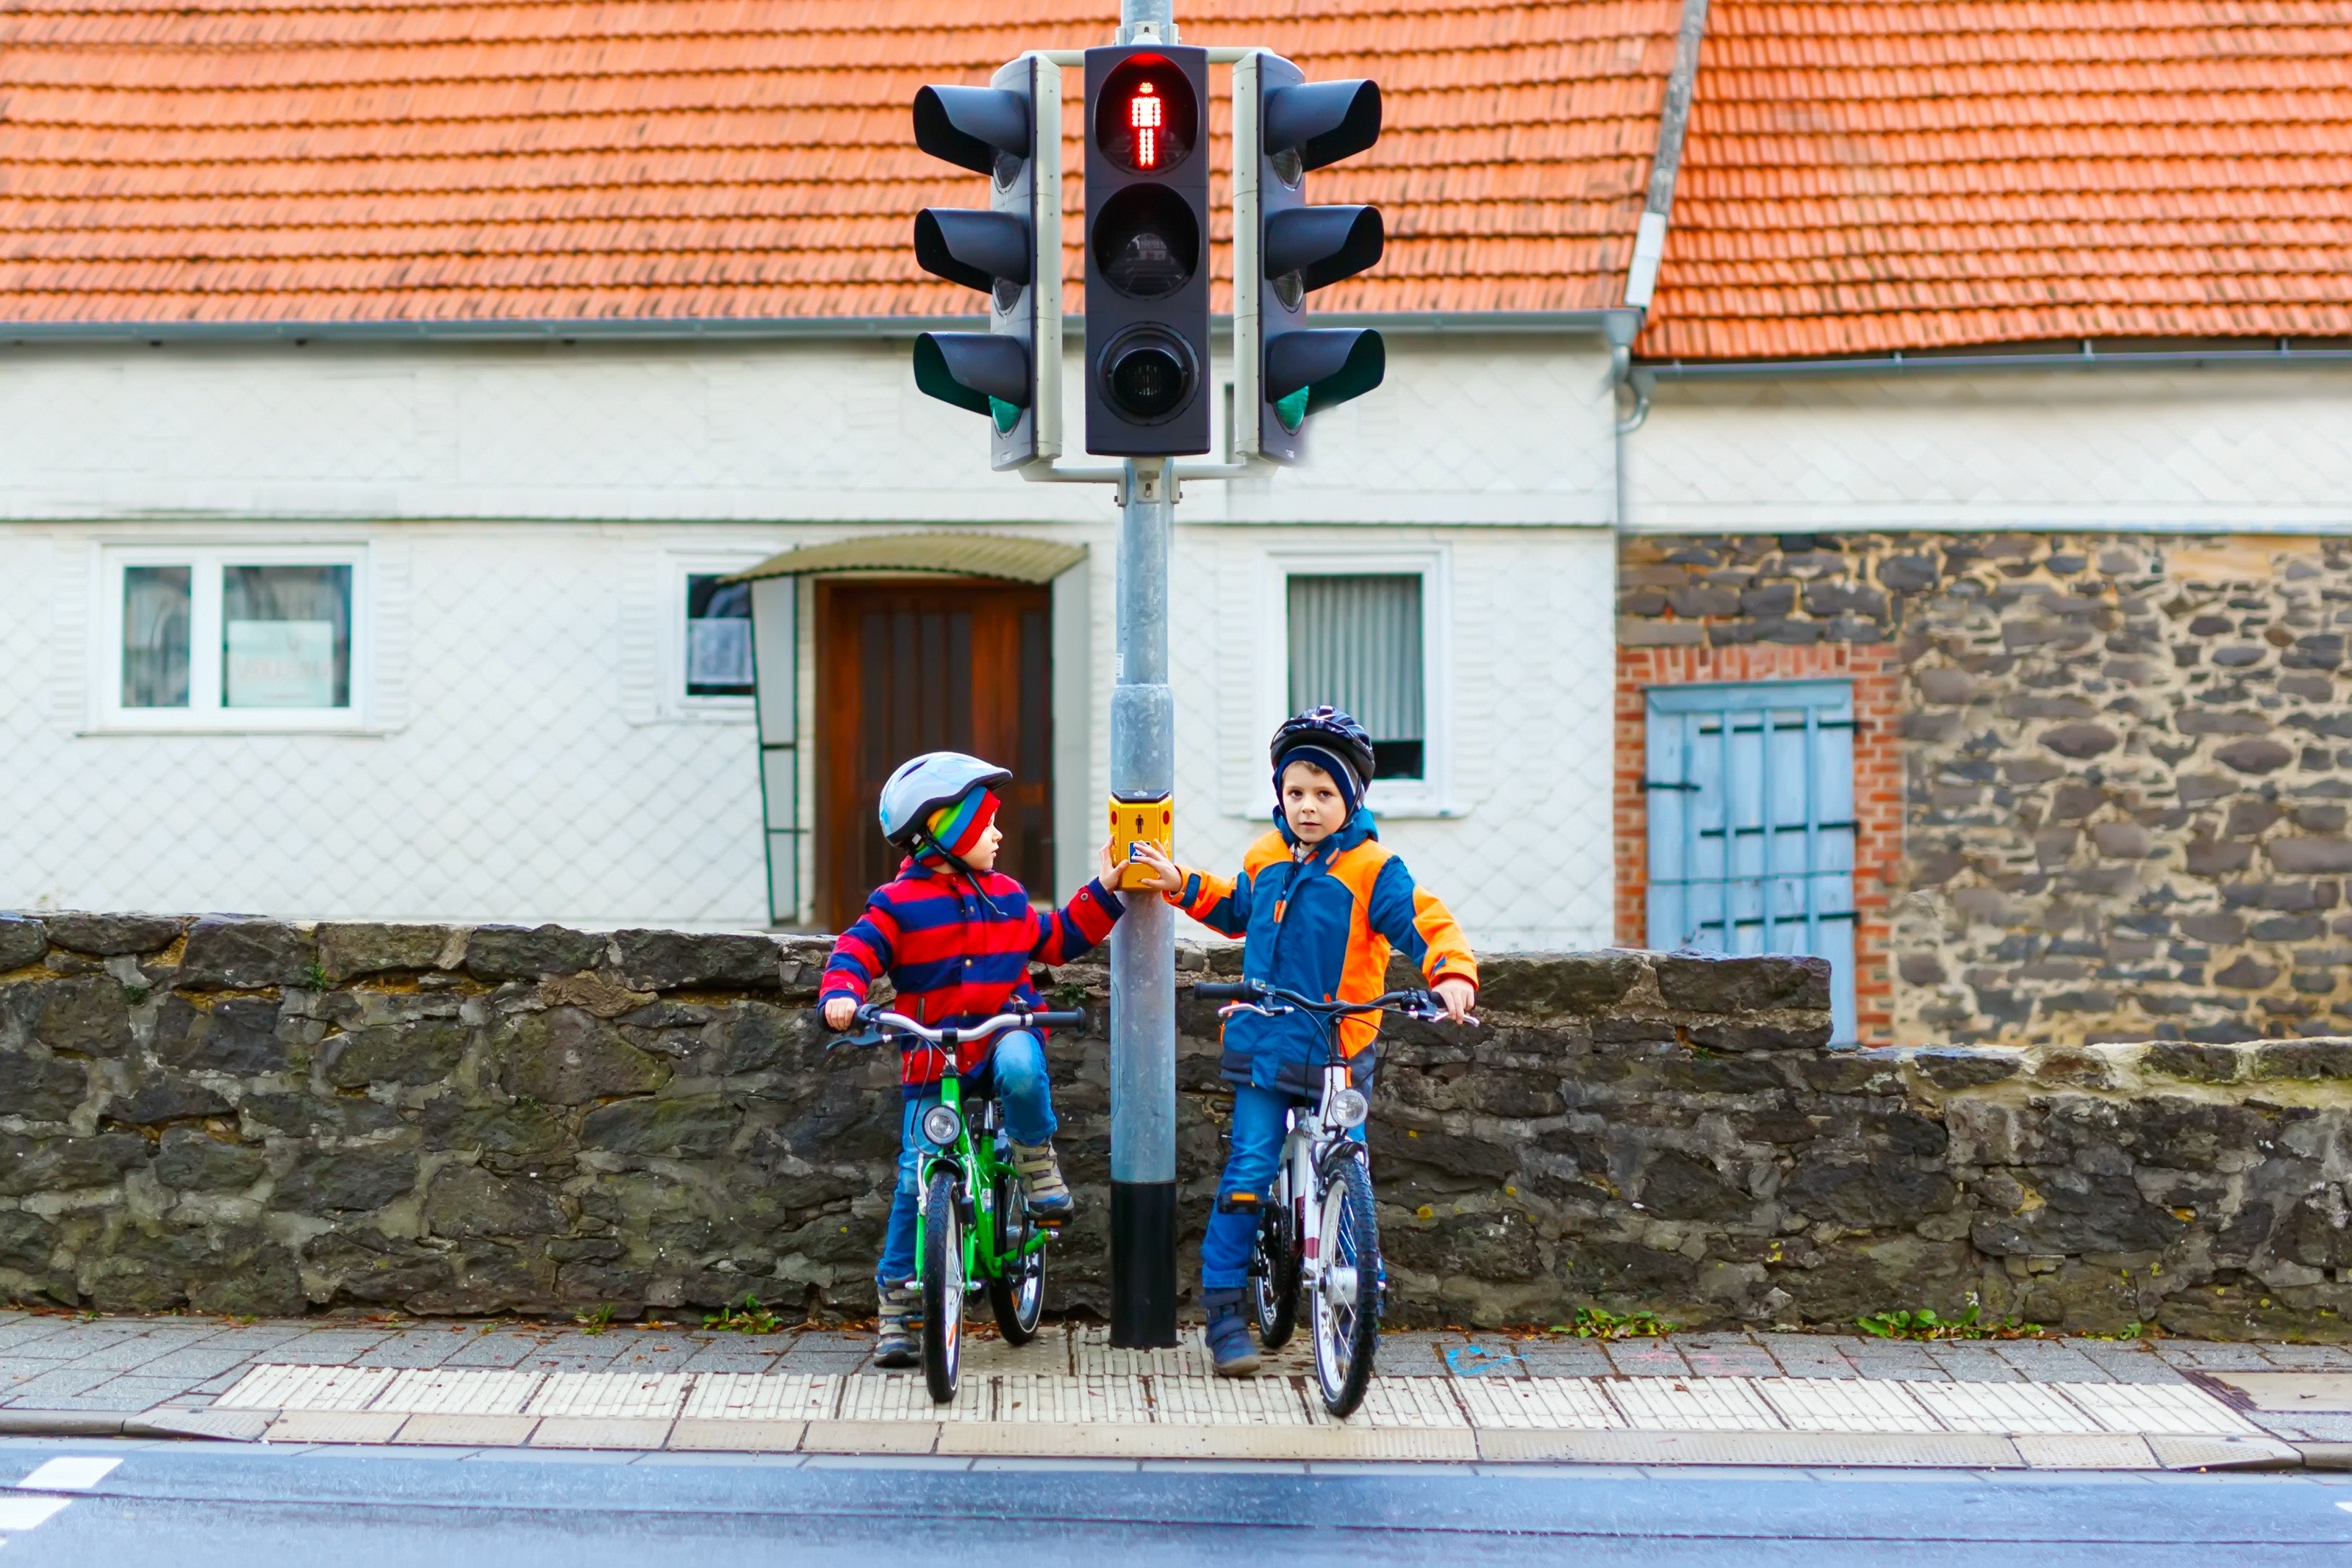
[(1143, 119)]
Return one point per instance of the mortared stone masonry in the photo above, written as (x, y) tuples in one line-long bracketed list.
[(233, 1115)]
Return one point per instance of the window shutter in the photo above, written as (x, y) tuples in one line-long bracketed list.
[(1750, 790)]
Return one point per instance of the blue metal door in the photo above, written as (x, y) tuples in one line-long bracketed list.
[(1750, 790)]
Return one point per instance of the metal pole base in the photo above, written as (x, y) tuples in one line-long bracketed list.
[(1142, 1264)]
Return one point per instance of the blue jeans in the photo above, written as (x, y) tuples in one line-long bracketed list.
[(1259, 1126), (1017, 1065)]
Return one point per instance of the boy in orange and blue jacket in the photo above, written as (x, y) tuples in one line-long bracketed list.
[(1320, 904)]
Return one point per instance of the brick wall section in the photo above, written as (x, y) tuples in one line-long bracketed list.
[(1877, 788), (2125, 759)]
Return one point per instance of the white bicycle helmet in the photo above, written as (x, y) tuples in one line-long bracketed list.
[(924, 784)]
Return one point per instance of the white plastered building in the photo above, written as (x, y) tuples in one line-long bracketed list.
[(501, 726)]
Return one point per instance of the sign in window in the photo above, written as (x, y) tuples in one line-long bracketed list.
[(286, 636), (717, 637)]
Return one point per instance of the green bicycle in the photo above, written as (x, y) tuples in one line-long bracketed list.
[(975, 1223)]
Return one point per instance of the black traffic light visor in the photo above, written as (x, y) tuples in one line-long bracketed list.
[(972, 247), (972, 369), (1326, 121), (1322, 245), (969, 126), (1332, 364)]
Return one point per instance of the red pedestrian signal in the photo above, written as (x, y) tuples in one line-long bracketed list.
[(1147, 252)]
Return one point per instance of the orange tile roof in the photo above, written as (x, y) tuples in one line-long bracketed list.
[(1864, 176), (357, 160)]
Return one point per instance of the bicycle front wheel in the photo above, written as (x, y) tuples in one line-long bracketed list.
[(1347, 1300), (944, 1286)]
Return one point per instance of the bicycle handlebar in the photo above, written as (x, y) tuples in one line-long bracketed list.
[(880, 1025), (1256, 993)]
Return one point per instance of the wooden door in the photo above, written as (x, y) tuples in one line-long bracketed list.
[(929, 664)]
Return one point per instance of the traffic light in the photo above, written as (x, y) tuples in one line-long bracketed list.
[(1146, 251), (1286, 368), (1012, 251)]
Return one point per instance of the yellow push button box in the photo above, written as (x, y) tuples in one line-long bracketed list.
[(1141, 822)]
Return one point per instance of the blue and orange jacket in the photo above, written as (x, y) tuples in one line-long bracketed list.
[(957, 950), (1323, 927)]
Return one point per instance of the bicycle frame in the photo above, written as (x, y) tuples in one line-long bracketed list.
[(972, 1161), (1314, 1136), (973, 1164)]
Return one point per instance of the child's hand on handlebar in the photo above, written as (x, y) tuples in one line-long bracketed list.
[(839, 1013), (1457, 994)]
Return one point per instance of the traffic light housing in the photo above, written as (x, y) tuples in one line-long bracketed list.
[(1012, 251), (1287, 249), (1146, 234)]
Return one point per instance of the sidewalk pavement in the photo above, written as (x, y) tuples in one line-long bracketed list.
[(1711, 1398)]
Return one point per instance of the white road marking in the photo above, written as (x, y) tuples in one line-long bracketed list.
[(75, 1472), (28, 1512)]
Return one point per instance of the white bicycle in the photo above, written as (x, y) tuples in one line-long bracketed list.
[(1318, 1236)]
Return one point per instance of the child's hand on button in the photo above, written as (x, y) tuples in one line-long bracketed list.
[(1165, 877), (838, 1013)]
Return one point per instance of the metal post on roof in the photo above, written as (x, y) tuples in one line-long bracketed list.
[(1143, 943)]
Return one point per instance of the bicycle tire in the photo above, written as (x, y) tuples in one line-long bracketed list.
[(943, 1287), (1018, 1297), (1347, 1333), (1274, 1271)]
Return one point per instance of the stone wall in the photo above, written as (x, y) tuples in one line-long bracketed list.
[(243, 1116), (2127, 765)]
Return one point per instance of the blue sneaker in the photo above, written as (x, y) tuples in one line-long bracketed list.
[(1230, 1346)]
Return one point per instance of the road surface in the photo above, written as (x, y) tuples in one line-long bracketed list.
[(253, 1507)]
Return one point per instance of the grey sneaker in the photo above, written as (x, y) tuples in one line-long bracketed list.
[(1040, 1179), (900, 1343)]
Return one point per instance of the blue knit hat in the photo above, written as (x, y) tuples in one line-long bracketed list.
[(1342, 772)]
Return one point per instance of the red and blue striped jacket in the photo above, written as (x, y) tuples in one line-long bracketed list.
[(957, 955)]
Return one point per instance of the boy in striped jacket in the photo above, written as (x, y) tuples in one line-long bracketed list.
[(957, 937)]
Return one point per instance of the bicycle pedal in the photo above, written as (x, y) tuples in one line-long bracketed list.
[(1051, 1222)]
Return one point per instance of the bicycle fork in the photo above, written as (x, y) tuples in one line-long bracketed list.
[(1313, 1137)]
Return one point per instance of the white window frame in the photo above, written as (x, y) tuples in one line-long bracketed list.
[(205, 714), (1432, 795), (677, 565)]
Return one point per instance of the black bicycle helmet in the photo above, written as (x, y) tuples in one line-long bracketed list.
[(1328, 730)]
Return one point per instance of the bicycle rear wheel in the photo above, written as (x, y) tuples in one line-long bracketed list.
[(1274, 1269), (1017, 1296), (1347, 1300), (943, 1287)]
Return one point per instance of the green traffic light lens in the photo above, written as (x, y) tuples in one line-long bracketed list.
[(1292, 409), (1006, 414)]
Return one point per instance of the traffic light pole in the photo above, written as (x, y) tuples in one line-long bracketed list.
[(1143, 943)]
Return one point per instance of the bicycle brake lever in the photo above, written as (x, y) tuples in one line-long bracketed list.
[(864, 1037)]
